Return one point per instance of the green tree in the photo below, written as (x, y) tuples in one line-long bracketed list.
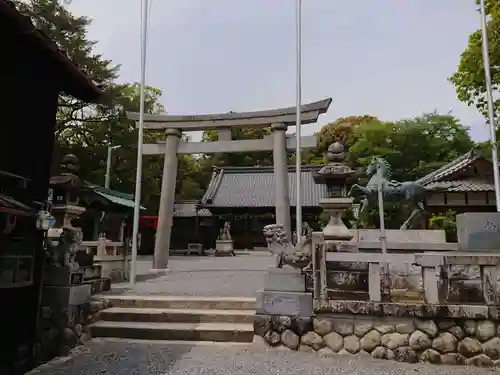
[(239, 158), (340, 130), (70, 34), (469, 78), (414, 147)]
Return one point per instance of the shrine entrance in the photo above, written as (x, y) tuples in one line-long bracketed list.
[(278, 142)]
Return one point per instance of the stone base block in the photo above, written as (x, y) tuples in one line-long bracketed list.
[(478, 231), (224, 248), (63, 296), (271, 302), (285, 280)]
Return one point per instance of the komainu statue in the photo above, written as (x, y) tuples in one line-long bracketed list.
[(63, 254), (297, 256)]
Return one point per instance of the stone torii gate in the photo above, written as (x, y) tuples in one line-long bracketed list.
[(278, 142)]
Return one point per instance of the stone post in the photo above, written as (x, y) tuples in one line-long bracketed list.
[(162, 241), (282, 195)]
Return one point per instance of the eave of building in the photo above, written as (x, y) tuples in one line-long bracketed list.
[(460, 186), (190, 209), (113, 196), (234, 187), (459, 164)]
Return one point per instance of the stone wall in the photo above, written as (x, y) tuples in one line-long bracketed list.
[(61, 330), (405, 339)]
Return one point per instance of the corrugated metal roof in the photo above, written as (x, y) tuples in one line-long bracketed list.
[(255, 187), (188, 209), (118, 200), (461, 162), (461, 186)]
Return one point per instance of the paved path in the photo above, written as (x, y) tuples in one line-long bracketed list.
[(104, 357), (239, 276)]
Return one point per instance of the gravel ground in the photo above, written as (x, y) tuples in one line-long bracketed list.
[(103, 357), (239, 276)]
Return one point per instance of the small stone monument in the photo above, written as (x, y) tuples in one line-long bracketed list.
[(224, 244), (478, 231), (63, 276), (336, 176)]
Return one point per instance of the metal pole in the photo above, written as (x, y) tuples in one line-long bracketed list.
[(491, 108), (108, 169), (383, 239), (380, 195), (298, 157), (140, 136)]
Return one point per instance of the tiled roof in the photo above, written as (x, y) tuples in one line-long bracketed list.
[(460, 163), (255, 187), (461, 186), (188, 209)]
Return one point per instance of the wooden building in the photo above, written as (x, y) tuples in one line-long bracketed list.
[(33, 72), (245, 196), (463, 185)]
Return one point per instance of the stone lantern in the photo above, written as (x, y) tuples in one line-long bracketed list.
[(337, 177)]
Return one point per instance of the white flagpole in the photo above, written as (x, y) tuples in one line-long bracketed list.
[(298, 156), (140, 137), (491, 108)]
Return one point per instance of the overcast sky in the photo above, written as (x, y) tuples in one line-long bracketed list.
[(388, 58)]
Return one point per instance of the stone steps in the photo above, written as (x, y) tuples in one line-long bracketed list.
[(130, 314), (186, 318), (183, 302), (227, 332)]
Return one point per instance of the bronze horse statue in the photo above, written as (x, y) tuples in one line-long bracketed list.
[(409, 192)]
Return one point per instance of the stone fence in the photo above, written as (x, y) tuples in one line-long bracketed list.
[(110, 255), (436, 307)]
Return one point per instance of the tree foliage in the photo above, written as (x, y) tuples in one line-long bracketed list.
[(469, 80), (413, 147)]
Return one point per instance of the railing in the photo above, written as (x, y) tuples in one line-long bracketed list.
[(441, 274), (111, 256)]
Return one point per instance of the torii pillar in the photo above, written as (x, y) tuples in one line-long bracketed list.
[(173, 126)]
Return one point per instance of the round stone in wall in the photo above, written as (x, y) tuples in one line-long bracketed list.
[(383, 353), (469, 347), (445, 343), (290, 339), (334, 341), (323, 326), (428, 327), (313, 340), (420, 341), (371, 340), (485, 330), (351, 344), (272, 337), (431, 356), (492, 348)]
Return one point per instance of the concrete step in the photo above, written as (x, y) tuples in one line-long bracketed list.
[(98, 286), (132, 314), (183, 302), (221, 332)]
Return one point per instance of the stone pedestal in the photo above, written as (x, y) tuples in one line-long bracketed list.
[(62, 276), (478, 231), (60, 297), (335, 232), (224, 248), (284, 294)]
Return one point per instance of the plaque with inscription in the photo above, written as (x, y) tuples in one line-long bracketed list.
[(282, 304)]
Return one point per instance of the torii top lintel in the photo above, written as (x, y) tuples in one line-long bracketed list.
[(258, 119)]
